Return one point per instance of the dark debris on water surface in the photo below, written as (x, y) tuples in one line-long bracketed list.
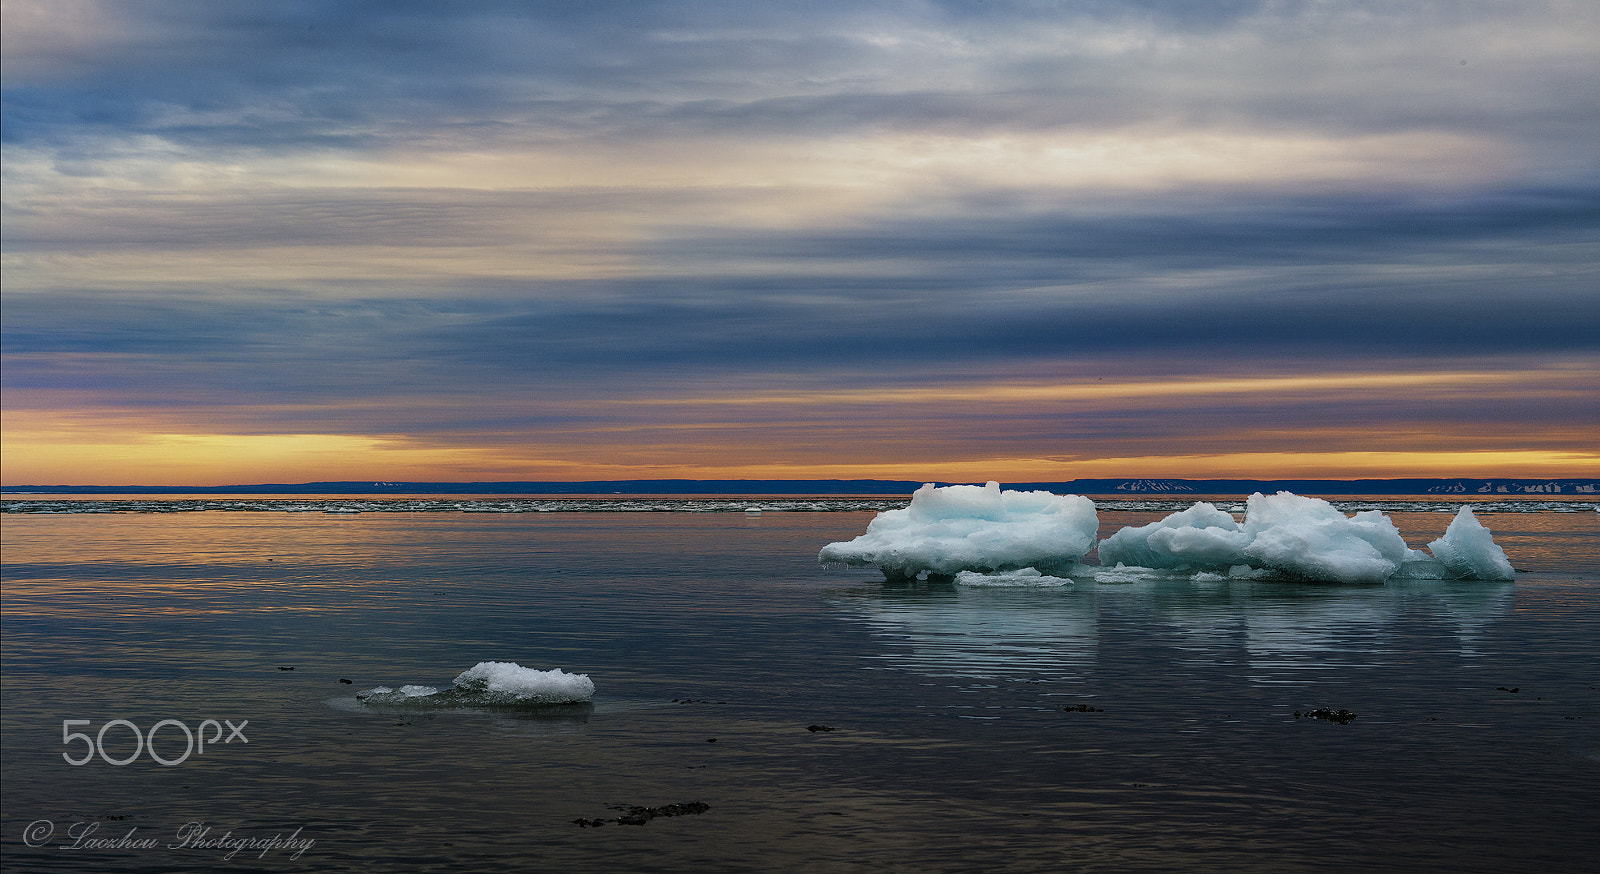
[(633, 814), (1343, 717)]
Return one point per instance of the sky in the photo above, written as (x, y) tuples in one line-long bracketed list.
[(947, 240)]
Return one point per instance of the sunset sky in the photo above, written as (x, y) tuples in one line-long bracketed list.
[(1025, 241)]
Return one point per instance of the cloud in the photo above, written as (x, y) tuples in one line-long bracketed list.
[(514, 219), (358, 75)]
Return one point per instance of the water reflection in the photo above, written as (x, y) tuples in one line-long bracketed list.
[(1270, 632), (952, 631)]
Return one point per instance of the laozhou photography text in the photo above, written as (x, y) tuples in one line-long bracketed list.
[(86, 836)]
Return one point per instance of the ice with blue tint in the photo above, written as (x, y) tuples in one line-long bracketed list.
[(1303, 538), (490, 684), (1468, 551), (1201, 537), (1310, 538), (950, 529), (1026, 578), (984, 536)]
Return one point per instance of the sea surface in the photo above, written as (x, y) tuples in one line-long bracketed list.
[(755, 711)]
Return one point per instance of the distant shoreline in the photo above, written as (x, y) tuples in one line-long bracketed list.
[(1415, 486)]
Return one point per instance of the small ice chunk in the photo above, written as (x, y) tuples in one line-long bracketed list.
[(1025, 578), (511, 681), (973, 528), (1246, 572), (1236, 573), (1125, 574), (490, 684), (404, 695), (1468, 552)]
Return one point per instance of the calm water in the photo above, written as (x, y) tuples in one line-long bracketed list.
[(1142, 727)]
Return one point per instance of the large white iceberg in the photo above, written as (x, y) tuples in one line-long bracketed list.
[(1309, 537), (1305, 538), (950, 529)]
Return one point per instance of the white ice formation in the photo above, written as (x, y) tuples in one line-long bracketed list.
[(512, 682), (1026, 578), (973, 528), (1468, 552), (491, 684), (1199, 537), (1304, 538), (985, 536)]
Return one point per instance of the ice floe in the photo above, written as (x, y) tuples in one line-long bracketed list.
[(984, 536), (1025, 578), (1304, 538), (1199, 537), (950, 529), (1467, 550), (490, 684)]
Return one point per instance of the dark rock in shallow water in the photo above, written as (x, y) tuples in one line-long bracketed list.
[(820, 728), (1343, 717)]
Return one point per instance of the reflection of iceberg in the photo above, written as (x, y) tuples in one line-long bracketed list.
[(1346, 629), (1304, 538), (984, 633), (1274, 632), (1350, 627), (1471, 607), (972, 528), (490, 684)]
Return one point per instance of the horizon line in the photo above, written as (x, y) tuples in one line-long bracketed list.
[(1429, 485)]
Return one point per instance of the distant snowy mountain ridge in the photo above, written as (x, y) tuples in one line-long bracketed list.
[(1515, 487), (1153, 485)]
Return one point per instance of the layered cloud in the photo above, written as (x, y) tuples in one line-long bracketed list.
[(539, 239)]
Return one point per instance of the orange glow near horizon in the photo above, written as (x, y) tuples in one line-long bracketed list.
[(216, 460), (1010, 392), (822, 433)]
